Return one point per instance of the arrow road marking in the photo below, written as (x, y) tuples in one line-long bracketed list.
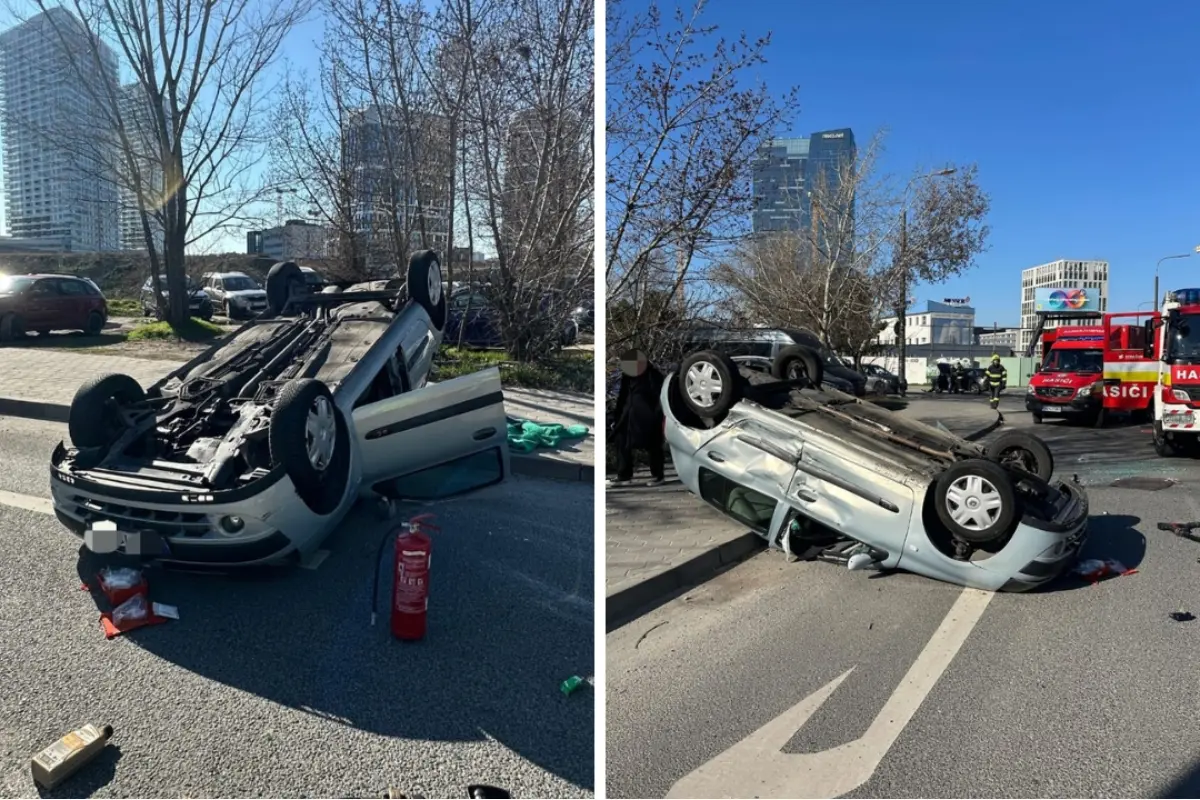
[(757, 767)]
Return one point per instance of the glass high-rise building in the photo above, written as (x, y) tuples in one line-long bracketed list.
[(786, 171)]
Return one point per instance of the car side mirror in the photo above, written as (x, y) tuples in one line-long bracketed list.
[(1148, 347)]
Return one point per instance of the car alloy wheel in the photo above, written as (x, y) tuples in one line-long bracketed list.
[(434, 283), (704, 384), (320, 433), (973, 502)]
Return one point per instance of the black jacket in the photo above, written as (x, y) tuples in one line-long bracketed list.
[(996, 374), (639, 411)]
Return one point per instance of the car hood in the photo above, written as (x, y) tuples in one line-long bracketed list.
[(248, 294)]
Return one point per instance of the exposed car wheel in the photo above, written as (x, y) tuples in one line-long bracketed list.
[(425, 285), (881, 389), (284, 280), (11, 328), (709, 383), (309, 438), (95, 324), (976, 501), (1024, 451), (796, 363), (94, 420), (1162, 445)]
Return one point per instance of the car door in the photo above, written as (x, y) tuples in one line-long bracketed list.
[(443, 439), (760, 463), (45, 307), (75, 303)]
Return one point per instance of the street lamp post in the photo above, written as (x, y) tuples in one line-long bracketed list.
[(902, 320), (1159, 266)]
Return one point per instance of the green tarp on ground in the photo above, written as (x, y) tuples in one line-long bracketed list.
[(525, 436)]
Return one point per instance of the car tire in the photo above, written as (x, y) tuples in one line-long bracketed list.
[(1163, 446), (1101, 418), (797, 362), (881, 389), (709, 384), (308, 438), (284, 279), (206, 312), (91, 422), (12, 328), (967, 485), (1023, 450), (425, 285), (1037, 419), (95, 324)]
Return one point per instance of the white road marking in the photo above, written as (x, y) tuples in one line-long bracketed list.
[(756, 767), (28, 502)]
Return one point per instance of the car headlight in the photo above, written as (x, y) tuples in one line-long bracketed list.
[(1030, 390), (1180, 395)]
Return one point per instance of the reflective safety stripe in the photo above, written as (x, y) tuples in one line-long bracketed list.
[(1131, 371)]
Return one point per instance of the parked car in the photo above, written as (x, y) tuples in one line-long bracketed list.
[(769, 342), (825, 476), (312, 277), (234, 294), (255, 450), (43, 303), (473, 313), (199, 304), (881, 382)]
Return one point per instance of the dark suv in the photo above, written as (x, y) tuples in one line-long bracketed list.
[(199, 303), (44, 303)]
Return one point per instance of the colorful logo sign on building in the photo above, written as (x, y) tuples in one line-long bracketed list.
[(1065, 300)]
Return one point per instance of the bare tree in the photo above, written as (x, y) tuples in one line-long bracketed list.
[(684, 122), (942, 238), (195, 101)]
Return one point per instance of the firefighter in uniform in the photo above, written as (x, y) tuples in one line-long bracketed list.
[(997, 376)]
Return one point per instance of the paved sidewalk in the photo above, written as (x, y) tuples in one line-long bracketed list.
[(40, 383)]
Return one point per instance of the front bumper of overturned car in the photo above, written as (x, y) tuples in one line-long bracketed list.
[(1064, 537), (185, 526)]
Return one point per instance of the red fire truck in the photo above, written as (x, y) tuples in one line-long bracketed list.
[(1176, 334), (1090, 371)]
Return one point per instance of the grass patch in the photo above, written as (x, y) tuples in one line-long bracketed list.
[(124, 307), (194, 330), (569, 371)]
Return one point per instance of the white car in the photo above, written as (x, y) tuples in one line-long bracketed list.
[(254, 451)]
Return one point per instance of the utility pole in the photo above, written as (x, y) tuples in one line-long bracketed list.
[(902, 319)]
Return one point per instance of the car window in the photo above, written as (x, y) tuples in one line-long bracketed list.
[(90, 287), (740, 502), (239, 283), (14, 285), (72, 288), (456, 477), (44, 289)]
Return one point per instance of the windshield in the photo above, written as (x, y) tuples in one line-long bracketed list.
[(239, 283), (1183, 339), (1074, 361), (14, 285)]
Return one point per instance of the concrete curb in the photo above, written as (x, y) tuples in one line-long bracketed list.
[(534, 466), (628, 604)]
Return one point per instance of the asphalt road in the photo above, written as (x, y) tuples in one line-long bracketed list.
[(1076, 691), (280, 687)]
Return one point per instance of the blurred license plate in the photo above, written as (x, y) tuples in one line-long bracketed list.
[(1051, 410)]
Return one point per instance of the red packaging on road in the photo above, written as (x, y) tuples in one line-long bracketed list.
[(121, 584)]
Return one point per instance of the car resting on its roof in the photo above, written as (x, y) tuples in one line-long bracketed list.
[(255, 450), (826, 476)]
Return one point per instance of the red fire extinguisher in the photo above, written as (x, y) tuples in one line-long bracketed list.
[(410, 578)]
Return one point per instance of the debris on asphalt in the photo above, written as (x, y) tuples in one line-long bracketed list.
[(483, 791), (572, 683), (119, 584), (1182, 616), (1181, 529), (61, 760), (1095, 570)]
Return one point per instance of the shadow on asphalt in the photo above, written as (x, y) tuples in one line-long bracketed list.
[(1186, 785), (501, 637), (1112, 536), (66, 341)]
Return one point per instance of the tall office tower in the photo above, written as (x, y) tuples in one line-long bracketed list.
[(1089, 276), (58, 162), (137, 114), (786, 172)]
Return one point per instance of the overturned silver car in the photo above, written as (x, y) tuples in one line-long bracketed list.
[(255, 450), (825, 476)]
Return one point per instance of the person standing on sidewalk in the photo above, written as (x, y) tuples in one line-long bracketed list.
[(997, 376), (638, 418)]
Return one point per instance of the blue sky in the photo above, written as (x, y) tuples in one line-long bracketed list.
[(1082, 117)]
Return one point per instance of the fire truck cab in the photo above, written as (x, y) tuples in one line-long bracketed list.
[(1176, 335), (1091, 371)]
